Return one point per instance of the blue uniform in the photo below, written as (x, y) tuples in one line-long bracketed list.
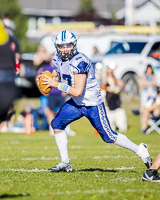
[(89, 104)]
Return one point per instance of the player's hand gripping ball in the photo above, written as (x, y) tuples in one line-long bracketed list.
[(43, 86)]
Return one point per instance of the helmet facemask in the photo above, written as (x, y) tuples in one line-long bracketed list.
[(68, 55), (66, 39)]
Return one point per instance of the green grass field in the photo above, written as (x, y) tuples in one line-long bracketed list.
[(100, 170)]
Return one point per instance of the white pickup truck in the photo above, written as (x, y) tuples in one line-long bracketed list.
[(132, 55)]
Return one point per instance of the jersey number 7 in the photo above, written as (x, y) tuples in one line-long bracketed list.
[(67, 78)]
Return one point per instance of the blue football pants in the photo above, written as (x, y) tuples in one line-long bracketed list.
[(97, 116)]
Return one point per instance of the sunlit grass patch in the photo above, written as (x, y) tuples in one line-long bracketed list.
[(100, 170)]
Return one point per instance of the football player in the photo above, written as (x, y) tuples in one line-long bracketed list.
[(151, 174), (77, 76), (8, 89)]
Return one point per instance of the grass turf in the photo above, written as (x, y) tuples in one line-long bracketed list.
[(100, 170)]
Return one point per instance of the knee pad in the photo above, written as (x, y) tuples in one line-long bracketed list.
[(56, 124)]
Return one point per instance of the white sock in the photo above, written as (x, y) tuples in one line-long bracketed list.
[(68, 128), (124, 142), (62, 144), (51, 131)]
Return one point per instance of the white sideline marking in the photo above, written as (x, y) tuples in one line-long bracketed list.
[(11, 142), (124, 179), (100, 191), (122, 168), (75, 157), (26, 170), (115, 157), (29, 158), (44, 170), (4, 159)]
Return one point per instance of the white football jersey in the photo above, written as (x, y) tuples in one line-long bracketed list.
[(80, 63)]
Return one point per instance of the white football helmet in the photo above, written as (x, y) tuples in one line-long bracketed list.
[(66, 38)]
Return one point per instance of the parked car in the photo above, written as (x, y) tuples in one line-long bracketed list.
[(131, 56)]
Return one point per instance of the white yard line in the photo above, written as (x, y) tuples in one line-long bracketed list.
[(101, 191), (44, 170), (75, 157), (25, 170)]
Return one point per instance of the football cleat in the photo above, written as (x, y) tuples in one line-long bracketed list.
[(136, 111), (143, 131), (144, 155), (151, 175), (62, 166)]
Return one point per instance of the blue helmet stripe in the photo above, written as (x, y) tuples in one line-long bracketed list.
[(73, 35), (63, 35)]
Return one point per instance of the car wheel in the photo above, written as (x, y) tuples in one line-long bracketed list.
[(131, 84)]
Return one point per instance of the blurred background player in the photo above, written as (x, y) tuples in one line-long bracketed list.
[(8, 89), (10, 27), (56, 98)]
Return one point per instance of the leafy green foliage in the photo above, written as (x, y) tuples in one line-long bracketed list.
[(87, 11), (12, 8), (86, 5)]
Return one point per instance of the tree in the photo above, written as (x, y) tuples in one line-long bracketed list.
[(87, 11), (86, 5), (13, 8)]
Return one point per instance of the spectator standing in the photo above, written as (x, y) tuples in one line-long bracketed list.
[(10, 27), (116, 114), (147, 85), (8, 89)]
